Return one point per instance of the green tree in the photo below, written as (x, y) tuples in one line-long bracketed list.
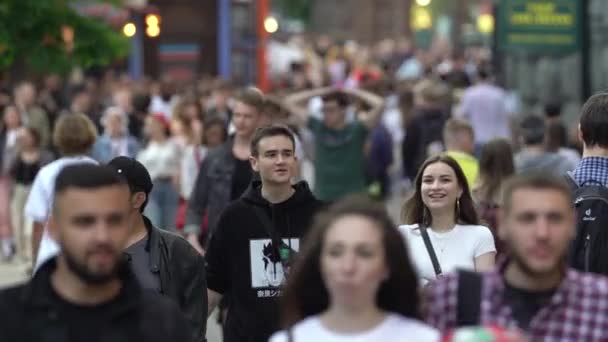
[(31, 33), (296, 9)]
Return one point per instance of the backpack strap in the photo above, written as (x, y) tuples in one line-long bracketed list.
[(569, 177), (430, 250), (469, 298)]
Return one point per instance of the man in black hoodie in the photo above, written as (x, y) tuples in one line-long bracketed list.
[(257, 236)]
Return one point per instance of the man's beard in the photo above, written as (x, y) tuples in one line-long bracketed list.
[(87, 276), (526, 269)]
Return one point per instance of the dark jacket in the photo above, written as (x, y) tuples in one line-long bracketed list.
[(242, 263), (423, 133), (212, 189), (181, 271), (32, 312)]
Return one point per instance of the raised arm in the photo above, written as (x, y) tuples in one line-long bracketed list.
[(294, 103), (376, 102)]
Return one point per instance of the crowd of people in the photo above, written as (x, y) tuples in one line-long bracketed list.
[(271, 207)]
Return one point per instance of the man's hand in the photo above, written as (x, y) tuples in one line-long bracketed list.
[(193, 239)]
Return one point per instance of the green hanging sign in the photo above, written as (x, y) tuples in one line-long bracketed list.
[(540, 25)]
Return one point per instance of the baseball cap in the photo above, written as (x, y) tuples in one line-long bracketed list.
[(134, 172)]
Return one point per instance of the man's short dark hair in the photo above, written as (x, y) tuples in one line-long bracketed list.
[(86, 176), (339, 97), (536, 181), (270, 131), (594, 121), (532, 130), (483, 73), (553, 110)]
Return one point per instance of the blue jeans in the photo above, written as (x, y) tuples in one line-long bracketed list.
[(162, 205)]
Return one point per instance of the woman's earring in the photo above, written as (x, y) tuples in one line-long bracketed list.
[(457, 207)]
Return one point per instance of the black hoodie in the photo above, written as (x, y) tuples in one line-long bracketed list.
[(242, 266)]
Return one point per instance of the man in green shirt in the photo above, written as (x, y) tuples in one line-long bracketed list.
[(339, 144)]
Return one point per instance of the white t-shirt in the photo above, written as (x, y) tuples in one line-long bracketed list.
[(161, 160), (455, 249), (393, 328), (40, 202)]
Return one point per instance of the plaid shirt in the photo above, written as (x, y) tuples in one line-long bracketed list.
[(578, 310), (592, 170)]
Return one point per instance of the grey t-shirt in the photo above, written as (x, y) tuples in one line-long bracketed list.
[(548, 162), (139, 259)]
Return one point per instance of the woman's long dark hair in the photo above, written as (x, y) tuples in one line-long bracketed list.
[(495, 166), (414, 211), (306, 294)]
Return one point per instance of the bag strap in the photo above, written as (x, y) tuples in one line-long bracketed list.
[(571, 181), (290, 337), (268, 227), (469, 298), (430, 250)]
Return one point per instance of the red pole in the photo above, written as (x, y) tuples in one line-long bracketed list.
[(263, 9)]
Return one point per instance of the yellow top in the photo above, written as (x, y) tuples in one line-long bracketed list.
[(468, 164)]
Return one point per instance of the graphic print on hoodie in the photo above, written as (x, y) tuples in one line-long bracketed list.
[(242, 263)]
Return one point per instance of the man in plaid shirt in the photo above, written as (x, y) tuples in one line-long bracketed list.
[(533, 291), (593, 131)]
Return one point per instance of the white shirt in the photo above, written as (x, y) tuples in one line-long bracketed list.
[(393, 328), (455, 249), (189, 169), (40, 202), (161, 160), (485, 107), (120, 146)]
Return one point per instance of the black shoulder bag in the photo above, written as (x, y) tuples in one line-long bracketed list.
[(282, 250), (430, 250)]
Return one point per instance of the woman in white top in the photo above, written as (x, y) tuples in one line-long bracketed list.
[(353, 281), (442, 202), (162, 159)]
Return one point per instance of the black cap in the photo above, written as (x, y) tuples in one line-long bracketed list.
[(134, 172)]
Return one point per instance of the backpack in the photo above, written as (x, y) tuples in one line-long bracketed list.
[(589, 250)]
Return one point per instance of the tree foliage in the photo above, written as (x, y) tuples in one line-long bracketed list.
[(296, 9), (31, 32)]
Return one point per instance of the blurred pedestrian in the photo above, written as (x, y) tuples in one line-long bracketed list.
[(161, 157), (87, 293), (31, 114), (339, 144), (441, 225), (532, 290), (533, 156), (219, 104), (495, 167), (161, 261), (74, 136), (353, 281), (556, 141), (459, 140), (28, 162), (9, 133), (214, 133), (484, 106), (226, 171), (423, 132), (116, 140)]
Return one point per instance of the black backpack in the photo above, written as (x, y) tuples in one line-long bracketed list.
[(589, 250)]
